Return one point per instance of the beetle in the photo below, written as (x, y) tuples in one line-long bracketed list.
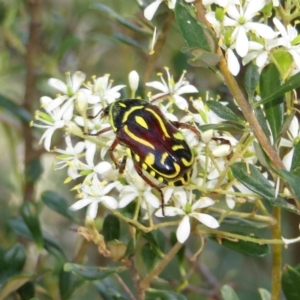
[(156, 144)]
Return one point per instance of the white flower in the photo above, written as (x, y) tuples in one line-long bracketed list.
[(242, 21), (293, 135), (222, 3), (152, 8), (90, 169), (233, 63), (70, 157), (287, 40), (103, 89), (95, 194), (188, 210), (291, 241), (173, 89)]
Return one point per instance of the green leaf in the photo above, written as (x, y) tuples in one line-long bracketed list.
[(251, 80), (253, 180), (264, 294), (261, 155), (228, 293), (26, 291), (111, 228), (59, 204), (163, 295), (222, 127), (280, 202), (13, 284), (262, 121), (193, 33), (21, 229), (127, 40), (33, 170), (30, 217), (115, 16), (89, 272), (244, 247), (295, 167), (293, 181), (290, 283), (130, 247), (224, 112), (11, 261), (157, 239), (292, 83), (235, 222), (108, 290), (149, 256), (68, 284), (274, 110), (15, 109)]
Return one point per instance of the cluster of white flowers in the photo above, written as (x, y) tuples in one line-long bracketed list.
[(86, 159), (245, 32)]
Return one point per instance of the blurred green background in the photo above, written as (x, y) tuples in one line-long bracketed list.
[(79, 35)]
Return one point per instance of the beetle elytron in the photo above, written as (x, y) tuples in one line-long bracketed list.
[(155, 143)]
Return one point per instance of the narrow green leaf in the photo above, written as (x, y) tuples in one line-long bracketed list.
[(253, 180), (68, 284), (30, 217), (13, 284), (89, 272), (292, 83), (111, 228), (293, 181), (295, 167), (244, 247), (115, 16), (108, 290), (264, 294), (127, 40), (261, 155), (202, 58), (251, 80), (149, 256), (222, 127), (192, 32), (163, 295), (224, 112), (290, 283), (262, 121), (130, 247), (59, 203), (21, 229), (11, 261), (228, 293), (33, 170), (274, 110), (280, 202), (156, 238), (15, 109), (26, 291), (243, 223)]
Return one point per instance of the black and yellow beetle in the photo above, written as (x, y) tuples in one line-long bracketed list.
[(155, 143)]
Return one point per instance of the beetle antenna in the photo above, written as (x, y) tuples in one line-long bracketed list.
[(96, 115), (160, 98)]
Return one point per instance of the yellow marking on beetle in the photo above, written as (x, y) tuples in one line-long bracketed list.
[(141, 121), (161, 123), (177, 147), (144, 166), (128, 152), (160, 179), (149, 159), (137, 139), (178, 135), (152, 173), (164, 157), (186, 162), (129, 111), (122, 104), (137, 158)]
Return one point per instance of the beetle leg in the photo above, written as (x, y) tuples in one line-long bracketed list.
[(186, 126), (112, 156), (98, 132), (153, 185), (123, 164)]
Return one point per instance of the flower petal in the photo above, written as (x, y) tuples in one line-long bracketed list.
[(206, 219), (151, 9), (183, 230)]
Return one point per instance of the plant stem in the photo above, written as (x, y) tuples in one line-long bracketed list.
[(32, 53), (144, 284), (276, 255)]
